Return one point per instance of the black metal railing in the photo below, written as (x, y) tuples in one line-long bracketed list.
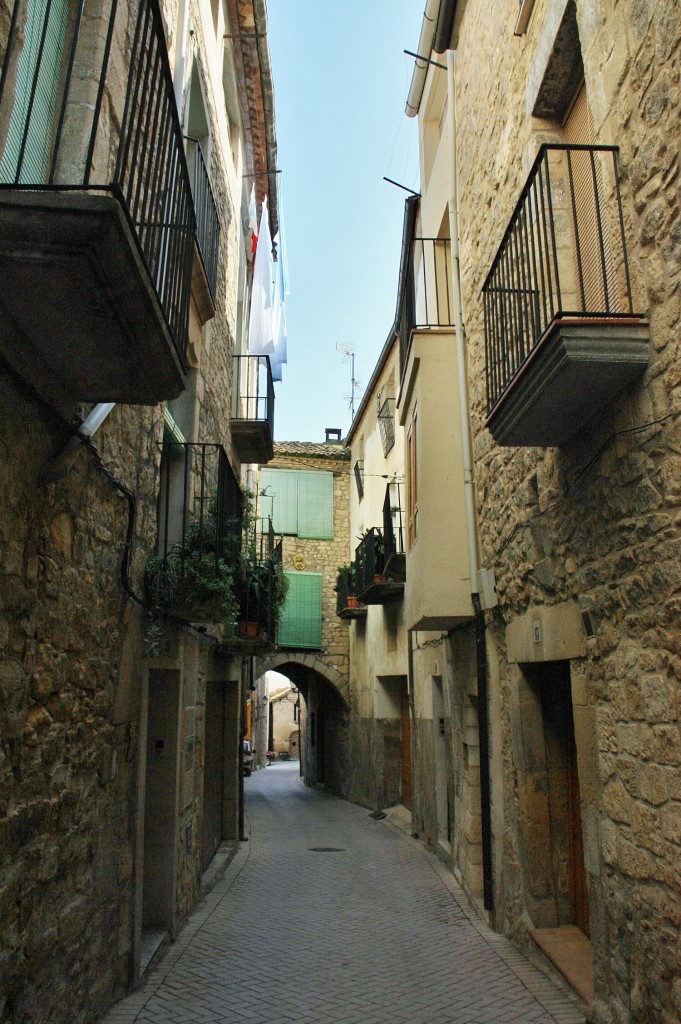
[(369, 559), (563, 254), (258, 595), (87, 103), (343, 591), (386, 425), (200, 508), (199, 538), (426, 300), (205, 209), (253, 390), (393, 522), (359, 477)]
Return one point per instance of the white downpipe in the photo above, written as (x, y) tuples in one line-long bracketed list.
[(95, 418), (424, 49), (61, 463), (458, 326)]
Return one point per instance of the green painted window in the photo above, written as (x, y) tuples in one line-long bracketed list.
[(35, 164), (301, 620), (300, 502)]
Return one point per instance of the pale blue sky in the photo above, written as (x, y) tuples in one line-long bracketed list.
[(340, 82)]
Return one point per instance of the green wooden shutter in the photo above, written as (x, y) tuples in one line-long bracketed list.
[(34, 168), (315, 506), (281, 498), (301, 620)]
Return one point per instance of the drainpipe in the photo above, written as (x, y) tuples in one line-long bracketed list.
[(418, 79), (473, 560), (62, 462)]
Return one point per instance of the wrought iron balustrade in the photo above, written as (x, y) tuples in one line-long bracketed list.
[(206, 212), (253, 390), (87, 104), (393, 522), (425, 301), (563, 255), (369, 560)]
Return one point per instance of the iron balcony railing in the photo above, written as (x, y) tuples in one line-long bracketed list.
[(199, 541), (359, 477), (386, 425), (393, 522), (343, 591), (253, 390), (563, 254), (201, 501), (88, 104), (206, 211), (258, 596), (426, 300), (369, 559)]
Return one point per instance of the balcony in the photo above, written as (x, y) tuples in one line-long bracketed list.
[(425, 299), (205, 279), (259, 594), (562, 337), (253, 409), (348, 605), (394, 532), (193, 577), (373, 584), (96, 215)]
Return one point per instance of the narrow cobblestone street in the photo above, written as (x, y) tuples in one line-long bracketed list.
[(327, 916)]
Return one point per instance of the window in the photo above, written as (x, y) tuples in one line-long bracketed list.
[(412, 480), (301, 619), (300, 503), (37, 80)]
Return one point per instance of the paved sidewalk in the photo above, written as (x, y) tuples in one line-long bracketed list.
[(329, 917)]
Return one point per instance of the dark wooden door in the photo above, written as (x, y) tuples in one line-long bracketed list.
[(214, 770), (406, 750)]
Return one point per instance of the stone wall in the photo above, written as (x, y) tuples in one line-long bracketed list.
[(595, 522), (67, 770)]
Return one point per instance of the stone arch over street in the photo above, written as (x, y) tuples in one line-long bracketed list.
[(296, 664), (324, 712)]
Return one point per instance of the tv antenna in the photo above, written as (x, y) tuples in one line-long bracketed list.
[(355, 386)]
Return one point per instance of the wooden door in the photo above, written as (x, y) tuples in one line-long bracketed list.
[(579, 894), (406, 750)]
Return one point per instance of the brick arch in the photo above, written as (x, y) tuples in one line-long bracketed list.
[(278, 662)]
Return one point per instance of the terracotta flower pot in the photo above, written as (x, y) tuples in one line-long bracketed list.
[(247, 630)]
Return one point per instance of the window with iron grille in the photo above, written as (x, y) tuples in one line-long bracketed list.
[(359, 477), (386, 424)]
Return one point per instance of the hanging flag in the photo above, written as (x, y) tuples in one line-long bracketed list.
[(253, 220), (260, 329)]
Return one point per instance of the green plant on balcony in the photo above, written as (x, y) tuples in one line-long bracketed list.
[(191, 584), (346, 574)]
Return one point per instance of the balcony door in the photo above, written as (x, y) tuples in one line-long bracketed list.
[(31, 90)]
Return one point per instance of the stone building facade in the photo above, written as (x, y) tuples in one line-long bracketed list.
[(119, 741), (316, 664), (575, 500)]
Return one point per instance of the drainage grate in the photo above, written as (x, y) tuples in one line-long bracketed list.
[(326, 849)]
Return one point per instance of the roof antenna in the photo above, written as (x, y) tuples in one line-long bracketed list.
[(349, 354)]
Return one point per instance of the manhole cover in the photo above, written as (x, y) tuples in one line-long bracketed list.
[(325, 849)]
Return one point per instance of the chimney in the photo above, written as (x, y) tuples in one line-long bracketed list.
[(333, 435)]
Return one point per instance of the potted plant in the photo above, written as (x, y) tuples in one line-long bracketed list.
[(346, 582), (191, 584)]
